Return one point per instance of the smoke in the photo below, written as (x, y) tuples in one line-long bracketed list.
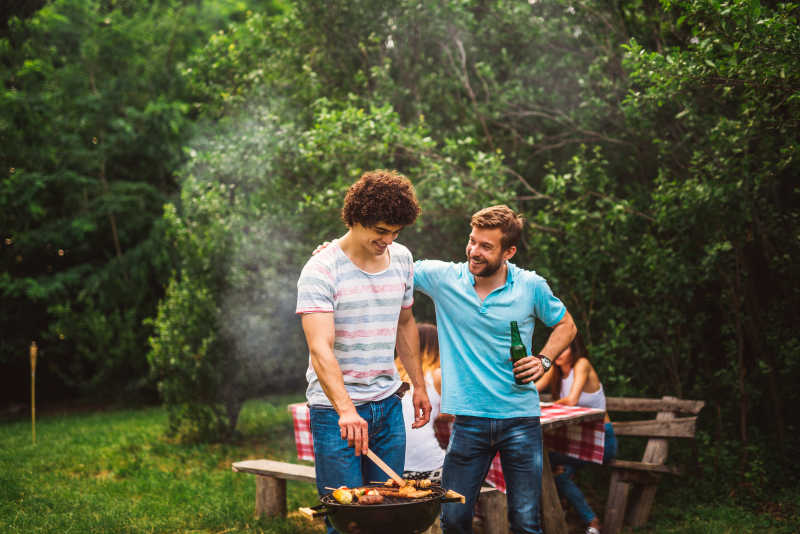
[(526, 53), (265, 348)]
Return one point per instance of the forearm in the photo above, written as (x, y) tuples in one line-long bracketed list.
[(330, 378), (319, 331), (544, 382), (562, 335)]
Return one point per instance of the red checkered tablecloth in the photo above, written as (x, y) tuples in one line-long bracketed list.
[(572, 430), (302, 431)]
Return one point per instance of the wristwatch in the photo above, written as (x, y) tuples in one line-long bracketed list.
[(547, 363)]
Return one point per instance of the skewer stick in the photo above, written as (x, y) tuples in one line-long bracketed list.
[(385, 468), (34, 350)]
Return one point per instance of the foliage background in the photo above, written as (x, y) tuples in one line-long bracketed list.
[(160, 194)]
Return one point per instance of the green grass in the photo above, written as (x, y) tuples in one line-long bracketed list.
[(687, 505), (116, 472)]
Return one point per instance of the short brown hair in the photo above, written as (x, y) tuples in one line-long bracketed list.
[(380, 196), (502, 217)]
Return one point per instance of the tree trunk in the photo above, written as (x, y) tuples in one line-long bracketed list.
[(737, 315)]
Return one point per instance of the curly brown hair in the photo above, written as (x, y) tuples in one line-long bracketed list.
[(380, 196), (502, 217)]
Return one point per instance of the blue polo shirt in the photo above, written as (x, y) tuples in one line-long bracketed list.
[(475, 336)]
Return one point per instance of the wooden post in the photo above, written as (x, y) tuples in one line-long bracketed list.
[(270, 496), (617, 503), (34, 350), (655, 453), (553, 518), (495, 512)]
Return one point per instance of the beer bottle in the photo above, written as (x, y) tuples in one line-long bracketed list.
[(518, 350)]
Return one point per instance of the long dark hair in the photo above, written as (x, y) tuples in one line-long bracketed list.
[(577, 351)]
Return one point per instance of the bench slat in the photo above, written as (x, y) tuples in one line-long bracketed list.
[(641, 466), (682, 427), (272, 468), (632, 404)]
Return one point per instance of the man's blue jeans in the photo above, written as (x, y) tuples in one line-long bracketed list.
[(474, 442), (336, 463)]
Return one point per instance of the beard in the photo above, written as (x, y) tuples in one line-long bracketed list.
[(487, 268)]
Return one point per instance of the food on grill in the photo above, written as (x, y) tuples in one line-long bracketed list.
[(371, 497), (412, 493), (421, 483), (375, 495), (343, 495)]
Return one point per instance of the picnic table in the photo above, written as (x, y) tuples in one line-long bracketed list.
[(572, 430)]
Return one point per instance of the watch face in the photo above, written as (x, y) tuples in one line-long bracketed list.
[(546, 363)]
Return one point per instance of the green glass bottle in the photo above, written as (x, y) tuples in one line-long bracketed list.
[(518, 350)]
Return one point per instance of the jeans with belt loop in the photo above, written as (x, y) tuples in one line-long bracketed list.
[(335, 461), (474, 442)]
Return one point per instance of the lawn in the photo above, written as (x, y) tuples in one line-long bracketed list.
[(114, 471)]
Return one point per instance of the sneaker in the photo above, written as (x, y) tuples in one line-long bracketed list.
[(592, 530)]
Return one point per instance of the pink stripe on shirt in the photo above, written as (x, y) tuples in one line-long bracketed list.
[(372, 288), (367, 374), (378, 332)]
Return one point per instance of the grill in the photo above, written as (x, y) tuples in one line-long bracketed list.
[(396, 515)]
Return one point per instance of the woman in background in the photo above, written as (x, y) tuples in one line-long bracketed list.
[(573, 381), (424, 456)]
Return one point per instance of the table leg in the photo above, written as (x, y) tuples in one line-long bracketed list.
[(553, 517)]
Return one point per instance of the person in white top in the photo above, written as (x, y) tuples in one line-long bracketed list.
[(573, 381), (424, 455)]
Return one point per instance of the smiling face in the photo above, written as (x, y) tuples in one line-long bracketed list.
[(375, 239), (485, 253)]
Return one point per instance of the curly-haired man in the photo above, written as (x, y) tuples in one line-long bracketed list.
[(355, 299)]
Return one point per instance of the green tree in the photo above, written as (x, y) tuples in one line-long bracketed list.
[(92, 123)]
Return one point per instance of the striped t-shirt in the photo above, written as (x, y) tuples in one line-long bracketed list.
[(366, 308)]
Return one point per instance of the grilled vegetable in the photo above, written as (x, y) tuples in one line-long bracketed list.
[(343, 496)]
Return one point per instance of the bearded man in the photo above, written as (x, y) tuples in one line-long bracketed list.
[(475, 303)]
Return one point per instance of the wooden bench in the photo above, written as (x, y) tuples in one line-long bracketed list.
[(271, 477), (645, 474)]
